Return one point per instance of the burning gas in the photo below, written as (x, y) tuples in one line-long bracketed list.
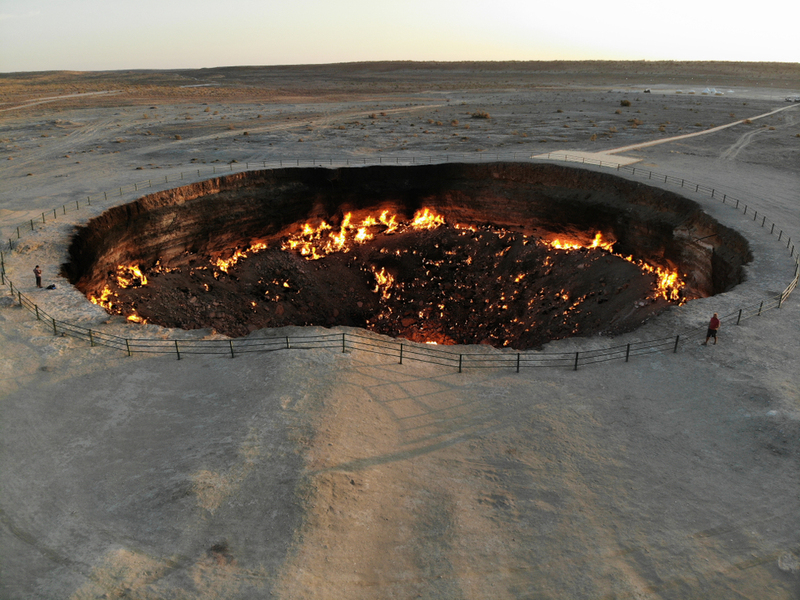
[(317, 241), (418, 278)]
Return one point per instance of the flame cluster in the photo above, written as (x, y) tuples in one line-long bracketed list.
[(317, 241), (225, 264), (597, 242), (668, 282), (126, 277)]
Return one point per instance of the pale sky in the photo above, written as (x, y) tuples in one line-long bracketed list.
[(91, 35)]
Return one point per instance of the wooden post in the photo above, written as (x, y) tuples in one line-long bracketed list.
[(127, 346), (627, 352), (517, 362), (55, 329), (401, 354), (677, 339), (177, 350), (230, 342), (739, 318), (460, 357), (760, 306), (343, 344), (577, 354), (91, 338)]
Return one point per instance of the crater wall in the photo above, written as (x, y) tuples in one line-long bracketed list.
[(219, 215)]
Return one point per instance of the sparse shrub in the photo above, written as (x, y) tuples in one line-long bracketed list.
[(245, 133), (216, 112), (207, 109), (618, 112), (559, 111), (698, 124), (593, 138), (373, 116), (748, 122), (481, 114), (612, 129), (178, 136), (635, 123), (454, 122), (661, 128), (439, 123), (624, 102)]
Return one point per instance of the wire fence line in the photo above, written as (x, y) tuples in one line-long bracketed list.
[(403, 351)]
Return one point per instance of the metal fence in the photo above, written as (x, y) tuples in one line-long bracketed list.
[(403, 351)]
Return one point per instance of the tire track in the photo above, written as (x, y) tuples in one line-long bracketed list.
[(733, 151)]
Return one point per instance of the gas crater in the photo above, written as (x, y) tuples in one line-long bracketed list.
[(507, 254)]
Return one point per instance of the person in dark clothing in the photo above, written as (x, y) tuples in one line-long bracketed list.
[(37, 271), (713, 326)]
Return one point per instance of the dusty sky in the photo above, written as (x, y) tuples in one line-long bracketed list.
[(39, 35)]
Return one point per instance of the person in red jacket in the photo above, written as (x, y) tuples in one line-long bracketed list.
[(713, 326)]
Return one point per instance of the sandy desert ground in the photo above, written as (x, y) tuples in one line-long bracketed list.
[(321, 474)]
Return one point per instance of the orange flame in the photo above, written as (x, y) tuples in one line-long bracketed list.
[(225, 264), (130, 276), (315, 242), (384, 282), (597, 242)]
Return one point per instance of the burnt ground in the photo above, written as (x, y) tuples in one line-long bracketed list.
[(450, 286)]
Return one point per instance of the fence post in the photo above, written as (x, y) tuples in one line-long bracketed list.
[(127, 346), (401, 354), (739, 318), (771, 231), (91, 339), (627, 352), (55, 329), (19, 297), (287, 342), (343, 344), (517, 362), (577, 354), (460, 356), (230, 342), (677, 339), (177, 350), (36, 308), (760, 306)]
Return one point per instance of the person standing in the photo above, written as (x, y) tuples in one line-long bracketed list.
[(713, 326), (37, 271)]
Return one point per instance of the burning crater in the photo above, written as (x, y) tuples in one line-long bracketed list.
[(508, 254)]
